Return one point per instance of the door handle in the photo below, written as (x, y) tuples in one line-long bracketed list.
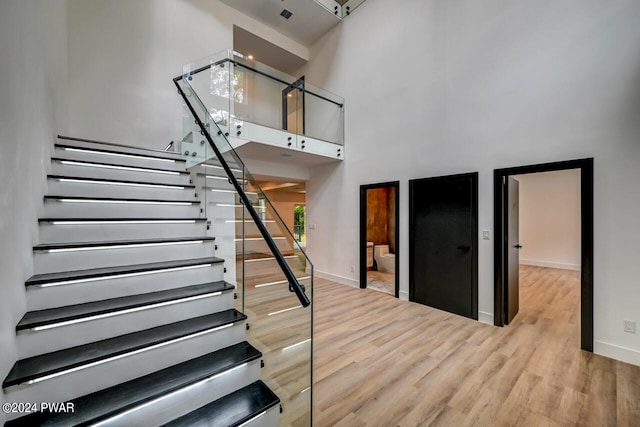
[(464, 248), (518, 246)]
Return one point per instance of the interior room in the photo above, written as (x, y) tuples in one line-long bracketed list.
[(550, 252)]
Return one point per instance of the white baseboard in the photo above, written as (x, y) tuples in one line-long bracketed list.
[(404, 295), (613, 351), (338, 279), (484, 317), (550, 264)]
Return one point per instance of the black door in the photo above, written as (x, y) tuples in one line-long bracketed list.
[(293, 112), (511, 250), (443, 234)]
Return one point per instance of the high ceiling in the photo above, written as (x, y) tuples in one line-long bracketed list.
[(309, 21), (265, 52)]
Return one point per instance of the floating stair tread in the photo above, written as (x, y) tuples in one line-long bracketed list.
[(118, 146), (116, 220), (78, 311), (169, 156), (215, 163), (64, 276), (117, 165), (221, 177), (133, 168), (109, 402), (75, 245), (231, 410), (210, 168), (211, 188), (62, 360), (123, 199), (237, 205), (260, 256), (119, 181)]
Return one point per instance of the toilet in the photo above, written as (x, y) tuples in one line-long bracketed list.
[(385, 260)]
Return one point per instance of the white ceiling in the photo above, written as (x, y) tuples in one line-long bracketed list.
[(270, 153), (309, 22)]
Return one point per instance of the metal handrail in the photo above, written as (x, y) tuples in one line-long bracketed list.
[(293, 281), (262, 73)]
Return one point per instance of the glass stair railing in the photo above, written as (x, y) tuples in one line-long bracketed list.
[(272, 274), (250, 101)]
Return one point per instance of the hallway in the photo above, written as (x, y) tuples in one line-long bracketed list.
[(380, 361)]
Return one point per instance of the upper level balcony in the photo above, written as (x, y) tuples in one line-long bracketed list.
[(265, 113)]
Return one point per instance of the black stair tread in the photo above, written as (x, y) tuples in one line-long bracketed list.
[(214, 171), (104, 150), (120, 181), (33, 319), (126, 199), (221, 175), (118, 219), (63, 276), (212, 187), (71, 245), (62, 360), (218, 171), (117, 146), (258, 237), (254, 256), (109, 402), (231, 410), (148, 168)]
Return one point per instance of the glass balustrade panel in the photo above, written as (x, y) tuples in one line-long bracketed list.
[(323, 115), (280, 327), (248, 99)]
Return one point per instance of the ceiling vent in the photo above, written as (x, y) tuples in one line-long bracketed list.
[(286, 13)]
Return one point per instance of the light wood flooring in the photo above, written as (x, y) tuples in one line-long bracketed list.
[(281, 330), (379, 361)]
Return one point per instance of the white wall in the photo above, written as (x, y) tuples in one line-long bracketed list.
[(124, 54), (33, 48), (550, 219), (440, 87)]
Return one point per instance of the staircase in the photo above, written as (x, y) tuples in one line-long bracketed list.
[(130, 321)]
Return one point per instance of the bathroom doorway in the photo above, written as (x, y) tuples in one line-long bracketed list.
[(379, 231)]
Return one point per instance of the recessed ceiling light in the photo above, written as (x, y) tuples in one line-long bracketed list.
[(250, 56)]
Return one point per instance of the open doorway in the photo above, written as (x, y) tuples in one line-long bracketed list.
[(293, 111), (299, 231), (379, 230), (508, 242)]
